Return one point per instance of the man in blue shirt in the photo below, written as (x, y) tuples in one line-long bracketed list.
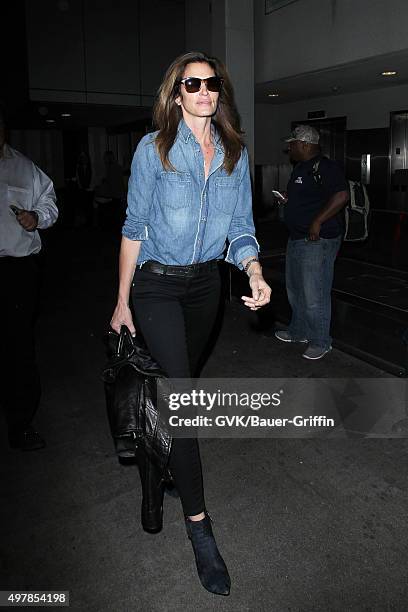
[(317, 192)]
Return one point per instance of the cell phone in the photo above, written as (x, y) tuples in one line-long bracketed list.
[(278, 194), (16, 210)]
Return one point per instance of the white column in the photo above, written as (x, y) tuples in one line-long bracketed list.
[(225, 28), (233, 42)]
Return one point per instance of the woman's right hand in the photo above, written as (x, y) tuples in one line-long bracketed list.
[(122, 316)]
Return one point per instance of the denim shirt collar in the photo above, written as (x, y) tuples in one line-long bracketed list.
[(184, 132)]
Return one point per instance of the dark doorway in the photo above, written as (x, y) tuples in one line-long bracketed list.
[(74, 143)]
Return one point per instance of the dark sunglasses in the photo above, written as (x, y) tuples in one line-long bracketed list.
[(193, 84)]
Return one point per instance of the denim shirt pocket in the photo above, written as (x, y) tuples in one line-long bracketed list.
[(175, 189), (226, 193)]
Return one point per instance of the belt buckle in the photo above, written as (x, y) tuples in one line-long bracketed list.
[(157, 267)]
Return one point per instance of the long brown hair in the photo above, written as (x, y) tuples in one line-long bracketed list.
[(167, 114)]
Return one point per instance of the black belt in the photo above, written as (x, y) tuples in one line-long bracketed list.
[(184, 271)]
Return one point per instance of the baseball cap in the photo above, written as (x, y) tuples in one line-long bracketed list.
[(304, 133)]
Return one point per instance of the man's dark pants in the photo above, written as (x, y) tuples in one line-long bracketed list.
[(20, 382)]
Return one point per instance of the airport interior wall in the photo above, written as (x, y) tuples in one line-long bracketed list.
[(310, 35), (88, 62), (363, 110)]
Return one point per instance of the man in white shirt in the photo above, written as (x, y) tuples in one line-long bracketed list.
[(27, 203)]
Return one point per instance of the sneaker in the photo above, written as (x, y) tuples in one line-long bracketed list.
[(315, 352), (285, 336), (27, 440)]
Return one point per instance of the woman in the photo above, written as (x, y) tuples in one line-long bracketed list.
[(189, 193)]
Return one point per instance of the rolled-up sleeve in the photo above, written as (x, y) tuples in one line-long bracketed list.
[(142, 183), (241, 234), (44, 200)]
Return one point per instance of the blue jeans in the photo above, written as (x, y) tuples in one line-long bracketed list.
[(309, 278)]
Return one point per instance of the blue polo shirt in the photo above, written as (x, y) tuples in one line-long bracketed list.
[(308, 194)]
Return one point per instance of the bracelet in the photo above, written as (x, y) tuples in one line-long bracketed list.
[(248, 264)]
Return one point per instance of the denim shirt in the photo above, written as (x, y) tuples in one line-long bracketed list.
[(180, 217)]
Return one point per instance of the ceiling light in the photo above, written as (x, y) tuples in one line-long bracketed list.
[(65, 114), (389, 73), (50, 120), (273, 95)]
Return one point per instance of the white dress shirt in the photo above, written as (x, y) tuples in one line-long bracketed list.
[(23, 184)]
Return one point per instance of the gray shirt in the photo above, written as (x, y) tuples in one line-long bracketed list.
[(23, 184)]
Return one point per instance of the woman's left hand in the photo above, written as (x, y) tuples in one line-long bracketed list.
[(261, 292)]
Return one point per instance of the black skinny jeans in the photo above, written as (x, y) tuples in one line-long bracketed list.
[(176, 316)]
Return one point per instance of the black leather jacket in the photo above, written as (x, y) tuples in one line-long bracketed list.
[(133, 383)]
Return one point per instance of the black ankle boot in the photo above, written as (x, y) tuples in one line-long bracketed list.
[(211, 568), (153, 491)]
